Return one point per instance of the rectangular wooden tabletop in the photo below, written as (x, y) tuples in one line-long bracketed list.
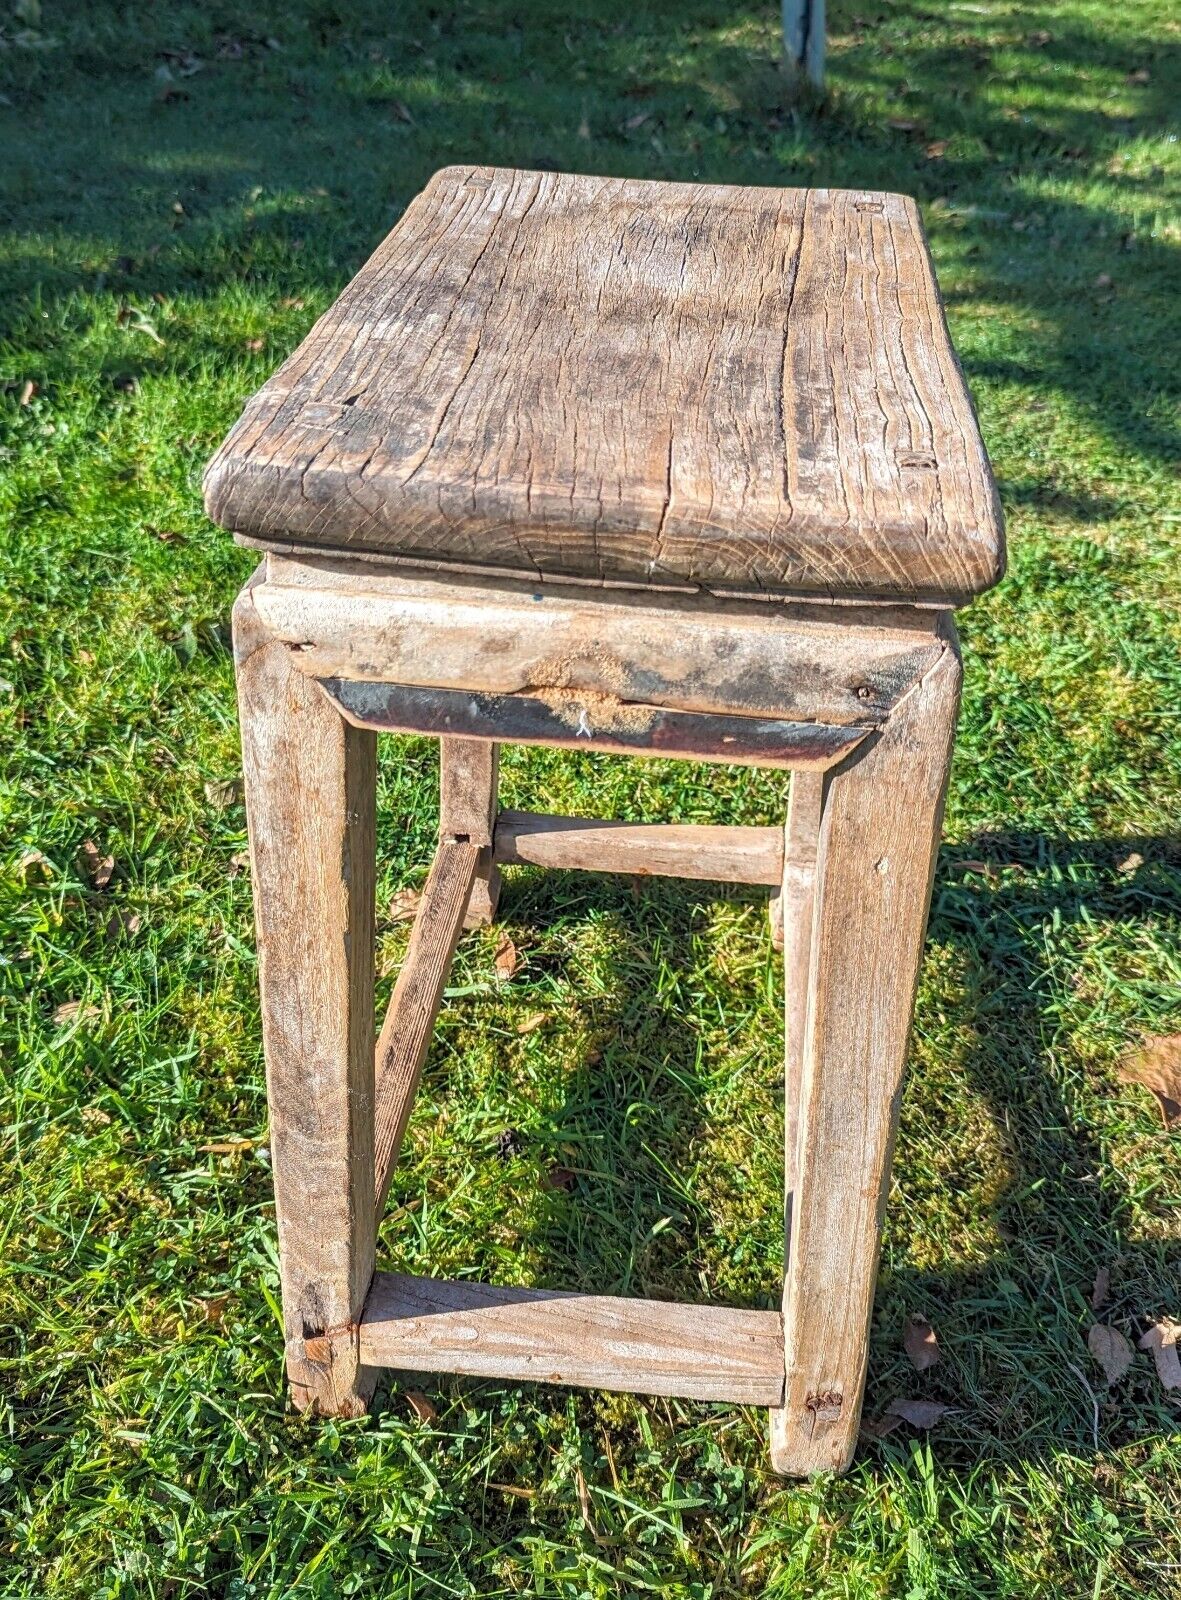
[(571, 376)]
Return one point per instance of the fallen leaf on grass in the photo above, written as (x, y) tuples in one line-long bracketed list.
[(28, 392), (74, 1010), (1130, 864), (1101, 1288), (223, 793), (421, 1406), (919, 1413), (505, 959), (937, 149), (168, 535), (34, 866), (509, 1143), (1111, 1350), (560, 1178), (225, 1147), (404, 905), (532, 1023), (99, 868), (213, 1309), (1156, 1065), (921, 1344), (1161, 1339), (118, 922), (239, 862), (255, 345)]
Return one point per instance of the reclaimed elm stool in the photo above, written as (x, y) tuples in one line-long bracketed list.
[(650, 468)]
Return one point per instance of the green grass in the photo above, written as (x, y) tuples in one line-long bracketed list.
[(165, 242)]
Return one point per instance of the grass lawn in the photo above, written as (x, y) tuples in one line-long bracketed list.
[(183, 189)]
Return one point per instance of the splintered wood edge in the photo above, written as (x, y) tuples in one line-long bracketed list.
[(727, 854), (652, 1347), (569, 720)]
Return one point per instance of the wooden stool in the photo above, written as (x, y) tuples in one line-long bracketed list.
[(658, 469)]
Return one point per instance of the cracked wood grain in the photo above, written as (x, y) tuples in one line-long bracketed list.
[(310, 800), (875, 858), (641, 382)]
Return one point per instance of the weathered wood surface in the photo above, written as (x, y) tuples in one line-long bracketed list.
[(670, 850), (649, 382), (576, 720), (593, 1341), (414, 1005), (469, 773), (813, 663), (797, 904), (875, 860), (310, 797)]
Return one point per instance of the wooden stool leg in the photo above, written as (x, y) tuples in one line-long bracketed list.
[(468, 774), (310, 797), (878, 837)]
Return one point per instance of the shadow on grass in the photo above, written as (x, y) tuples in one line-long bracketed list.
[(281, 168), (1012, 1324)]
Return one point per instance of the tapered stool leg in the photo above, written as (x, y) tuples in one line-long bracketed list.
[(468, 776), (876, 851), (310, 795)]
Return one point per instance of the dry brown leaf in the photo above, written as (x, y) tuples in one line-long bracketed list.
[(879, 1427), (1130, 864), (919, 1413), (1111, 1350), (123, 922), (1161, 1339), (937, 149), (255, 345), (70, 1010), (537, 1019), (31, 864), (223, 793), (239, 862), (1101, 1289), (920, 1342), (1156, 1065), (404, 905), (213, 1309), (225, 1147), (584, 1499), (506, 959), (99, 868), (95, 1117), (421, 1406), (562, 1178)]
